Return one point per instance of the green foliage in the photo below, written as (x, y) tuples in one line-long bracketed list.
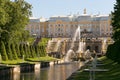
[(42, 51), (26, 51), (33, 52), (31, 40), (8, 51), (113, 50), (14, 16), (47, 58), (37, 51), (14, 51), (3, 15), (24, 36), (13, 62), (3, 51), (18, 50), (21, 50), (116, 21), (29, 53), (43, 41), (42, 46)]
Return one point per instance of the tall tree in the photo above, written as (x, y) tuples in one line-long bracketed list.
[(14, 16), (3, 51), (26, 51), (18, 50), (116, 21), (14, 51), (22, 53), (8, 51), (113, 49)]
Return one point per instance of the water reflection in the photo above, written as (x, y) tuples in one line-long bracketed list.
[(55, 72), (58, 72)]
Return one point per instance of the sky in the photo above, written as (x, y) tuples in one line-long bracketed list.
[(48, 8)]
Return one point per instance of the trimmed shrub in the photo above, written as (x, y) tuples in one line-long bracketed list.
[(8, 51), (18, 50), (3, 51), (14, 51), (21, 50)]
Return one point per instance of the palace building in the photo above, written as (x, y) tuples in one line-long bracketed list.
[(65, 26)]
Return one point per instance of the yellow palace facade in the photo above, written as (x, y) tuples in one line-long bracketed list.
[(65, 26)]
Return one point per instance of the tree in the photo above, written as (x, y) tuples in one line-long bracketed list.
[(3, 51), (29, 52), (37, 51), (14, 51), (22, 53), (18, 50), (25, 36), (8, 51), (3, 15), (34, 53), (113, 49), (116, 21), (14, 16), (42, 51), (26, 51)]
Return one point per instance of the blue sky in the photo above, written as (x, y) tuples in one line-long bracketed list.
[(47, 8)]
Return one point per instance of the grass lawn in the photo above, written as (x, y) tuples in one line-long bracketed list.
[(13, 62), (47, 58), (28, 60), (112, 74)]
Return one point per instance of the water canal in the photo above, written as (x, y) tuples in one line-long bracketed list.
[(54, 72)]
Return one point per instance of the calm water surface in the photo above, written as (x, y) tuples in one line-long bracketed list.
[(55, 72)]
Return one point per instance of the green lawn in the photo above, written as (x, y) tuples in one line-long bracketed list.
[(47, 58), (112, 74), (29, 60), (13, 62)]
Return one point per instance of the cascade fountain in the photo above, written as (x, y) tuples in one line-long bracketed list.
[(77, 34), (69, 54), (58, 44), (49, 46), (74, 50), (81, 48), (54, 47)]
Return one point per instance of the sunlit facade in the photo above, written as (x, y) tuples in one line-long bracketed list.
[(65, 26), (37, 26)]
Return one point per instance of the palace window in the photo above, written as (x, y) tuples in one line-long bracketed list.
[(59, 25), (58, 29)]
